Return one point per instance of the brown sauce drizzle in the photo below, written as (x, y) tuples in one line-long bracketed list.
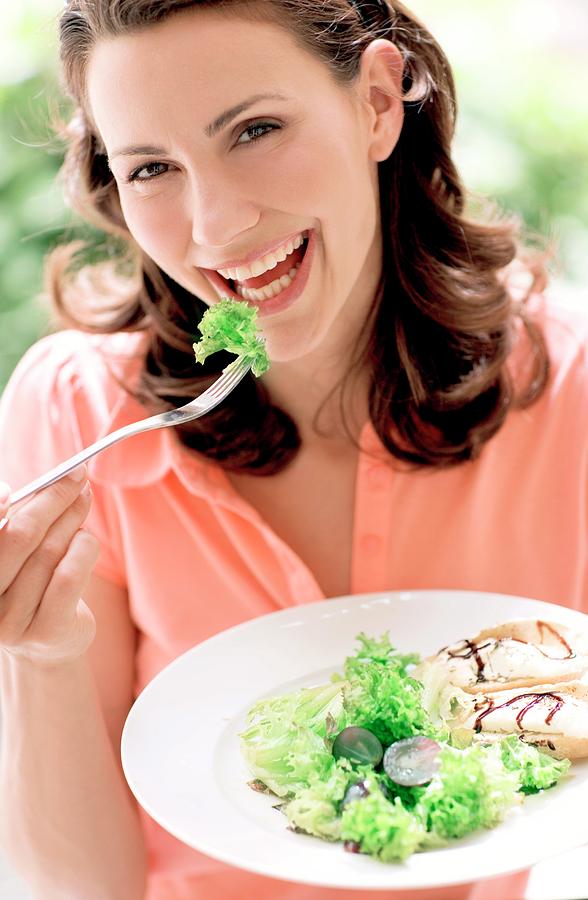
[(536, 698), (570, 653), (469, 650)]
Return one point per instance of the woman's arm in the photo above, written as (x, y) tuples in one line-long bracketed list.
[(69, 823)]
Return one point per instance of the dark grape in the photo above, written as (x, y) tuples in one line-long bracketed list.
[(352, 846), (412, 761), (358, 745), (355, 792)]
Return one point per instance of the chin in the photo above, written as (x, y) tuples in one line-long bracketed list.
[(292, 341)]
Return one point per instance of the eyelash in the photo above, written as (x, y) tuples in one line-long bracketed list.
[(254, 126)]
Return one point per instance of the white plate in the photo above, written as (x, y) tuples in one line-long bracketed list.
[(180, 746)]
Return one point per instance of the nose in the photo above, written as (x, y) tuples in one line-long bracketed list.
[(220, 210)]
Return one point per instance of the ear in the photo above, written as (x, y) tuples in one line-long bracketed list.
[(380, 86)]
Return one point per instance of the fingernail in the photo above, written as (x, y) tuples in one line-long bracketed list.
[(79, 474), (4, 492)]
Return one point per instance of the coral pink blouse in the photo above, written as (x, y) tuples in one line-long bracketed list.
[(514, 521)]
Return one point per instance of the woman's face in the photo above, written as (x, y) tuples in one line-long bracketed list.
[(228, 142)]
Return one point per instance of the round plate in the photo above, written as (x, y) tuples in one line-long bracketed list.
[(181, 757)]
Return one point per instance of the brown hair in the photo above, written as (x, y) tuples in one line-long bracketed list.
[(442, 323)]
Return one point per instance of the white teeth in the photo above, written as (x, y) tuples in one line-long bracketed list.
[(264, 264), (258, 267), (241, 273), (270, 290)]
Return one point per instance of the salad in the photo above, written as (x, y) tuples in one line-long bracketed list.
[(232, 325), (359, 760)]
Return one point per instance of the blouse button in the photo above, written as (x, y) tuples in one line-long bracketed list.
[(371, 544), (376, 477)]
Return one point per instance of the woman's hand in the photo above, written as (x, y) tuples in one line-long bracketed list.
[(45, 563)]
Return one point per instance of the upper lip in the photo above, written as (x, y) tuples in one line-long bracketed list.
[(255, 254)]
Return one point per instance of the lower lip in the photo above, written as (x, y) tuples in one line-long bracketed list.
[(284, 299)]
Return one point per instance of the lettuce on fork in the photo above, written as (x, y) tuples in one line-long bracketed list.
[(232, 326)]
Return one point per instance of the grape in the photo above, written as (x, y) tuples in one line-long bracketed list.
[(355, 792), (412, 761), (358, 745), (352, 846)]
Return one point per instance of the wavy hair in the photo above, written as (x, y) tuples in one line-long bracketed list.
[(442, 323)]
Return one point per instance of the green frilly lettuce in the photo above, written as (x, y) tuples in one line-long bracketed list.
[(232, 326), (383, 828), (380, 694), (472, 789), (286, 741), (288, 746), (316, 809), (535, 771)]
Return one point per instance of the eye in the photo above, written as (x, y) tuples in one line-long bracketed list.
[(256, 131), (148, 172)]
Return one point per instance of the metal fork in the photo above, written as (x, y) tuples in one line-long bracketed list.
[(210, 398)]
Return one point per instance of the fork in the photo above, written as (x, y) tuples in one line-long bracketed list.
[(210, 398)]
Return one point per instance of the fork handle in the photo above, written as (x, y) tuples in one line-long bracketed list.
[(68, 465), (232, 375)]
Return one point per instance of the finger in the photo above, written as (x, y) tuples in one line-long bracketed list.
[(20, 601), (28, 524), (63, 619)]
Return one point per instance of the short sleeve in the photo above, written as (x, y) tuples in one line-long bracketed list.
[(55, 404)]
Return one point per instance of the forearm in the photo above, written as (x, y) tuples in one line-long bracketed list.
[(69, 823)]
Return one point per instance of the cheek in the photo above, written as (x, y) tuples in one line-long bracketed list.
[(160, 231), (155, 225), (327, 177)]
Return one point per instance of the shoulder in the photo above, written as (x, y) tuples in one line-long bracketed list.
[(73, 361), (564, 321), (564, 326), (72, 353), (67, 384)]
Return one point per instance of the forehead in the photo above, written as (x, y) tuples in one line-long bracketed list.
[(191, 62)]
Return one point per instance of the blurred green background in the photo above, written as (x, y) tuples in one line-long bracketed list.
[(522, 74)]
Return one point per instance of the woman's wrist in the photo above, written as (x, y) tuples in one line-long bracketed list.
[(20, 662)]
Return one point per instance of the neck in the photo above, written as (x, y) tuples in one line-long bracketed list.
[(332, 379), (325, 394)]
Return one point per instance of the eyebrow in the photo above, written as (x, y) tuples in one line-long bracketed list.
[(210, 130), (229, 114)]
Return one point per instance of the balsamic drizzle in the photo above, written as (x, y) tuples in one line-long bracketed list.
[(472, 650), (467, 649), (537, 698)]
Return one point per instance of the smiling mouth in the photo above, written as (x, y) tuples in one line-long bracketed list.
[(273, 281)]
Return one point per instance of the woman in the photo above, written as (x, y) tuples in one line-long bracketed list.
[(408, 434)]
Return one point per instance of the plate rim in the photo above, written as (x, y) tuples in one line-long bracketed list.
[(278, 616)]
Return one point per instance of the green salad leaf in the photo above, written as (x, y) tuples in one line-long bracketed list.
[(378, 650), (535, 770), (286, 742), (231, 325), (288, 747), (316, 808), (381, 827), (381, 696), (471, 790)]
